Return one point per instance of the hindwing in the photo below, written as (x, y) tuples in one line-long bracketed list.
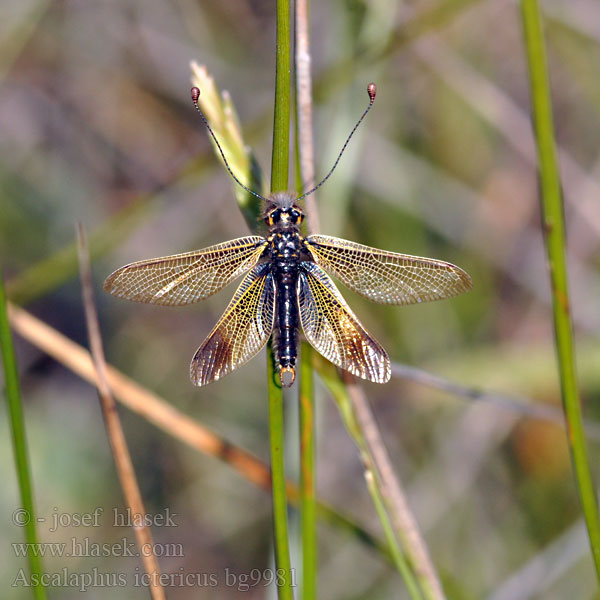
[(331, 327), (241, 332)]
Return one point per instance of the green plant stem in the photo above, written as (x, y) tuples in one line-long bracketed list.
[(17, 425), (308, 499), (554, 231), (284, 579), (281, 121), (279, 182)]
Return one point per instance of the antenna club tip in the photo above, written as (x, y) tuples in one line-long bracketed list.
[(195, 95), (372, 91)]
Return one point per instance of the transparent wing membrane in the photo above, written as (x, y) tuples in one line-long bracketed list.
[(328, 322), (332, 328), (387, 277), (241, 332), (185, 278)]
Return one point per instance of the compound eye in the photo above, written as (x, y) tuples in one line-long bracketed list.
[(273, 217)]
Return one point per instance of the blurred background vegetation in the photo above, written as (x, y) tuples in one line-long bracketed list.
[(97, 126)]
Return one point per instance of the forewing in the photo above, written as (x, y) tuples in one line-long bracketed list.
[(387, 277), (242, 331), (332, 328), (185, 278)]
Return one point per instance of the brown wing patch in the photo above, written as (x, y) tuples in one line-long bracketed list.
[(241, 332), (387, 277), (332, 328), (185, 278)]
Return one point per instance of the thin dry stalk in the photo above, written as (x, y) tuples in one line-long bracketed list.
[(403, 521), (306, 148), (114, 430), (306, 392), (519, 404)]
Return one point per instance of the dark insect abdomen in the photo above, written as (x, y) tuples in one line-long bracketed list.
[(285, 332), (285, 257)]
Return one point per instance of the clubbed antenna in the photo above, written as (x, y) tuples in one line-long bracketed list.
[(195, 95), (372, 91)]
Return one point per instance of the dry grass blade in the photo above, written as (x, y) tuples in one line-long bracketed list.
[(401, 517), (136, 397), (305, 179), (167, 418), (114, 430)]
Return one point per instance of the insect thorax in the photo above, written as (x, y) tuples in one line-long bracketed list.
[(284, 218)]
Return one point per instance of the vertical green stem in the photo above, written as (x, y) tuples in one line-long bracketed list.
[(281, 122), (279, 182), (308, 500), (284, 579), (554, 230), (398, 557), (17, 423)]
